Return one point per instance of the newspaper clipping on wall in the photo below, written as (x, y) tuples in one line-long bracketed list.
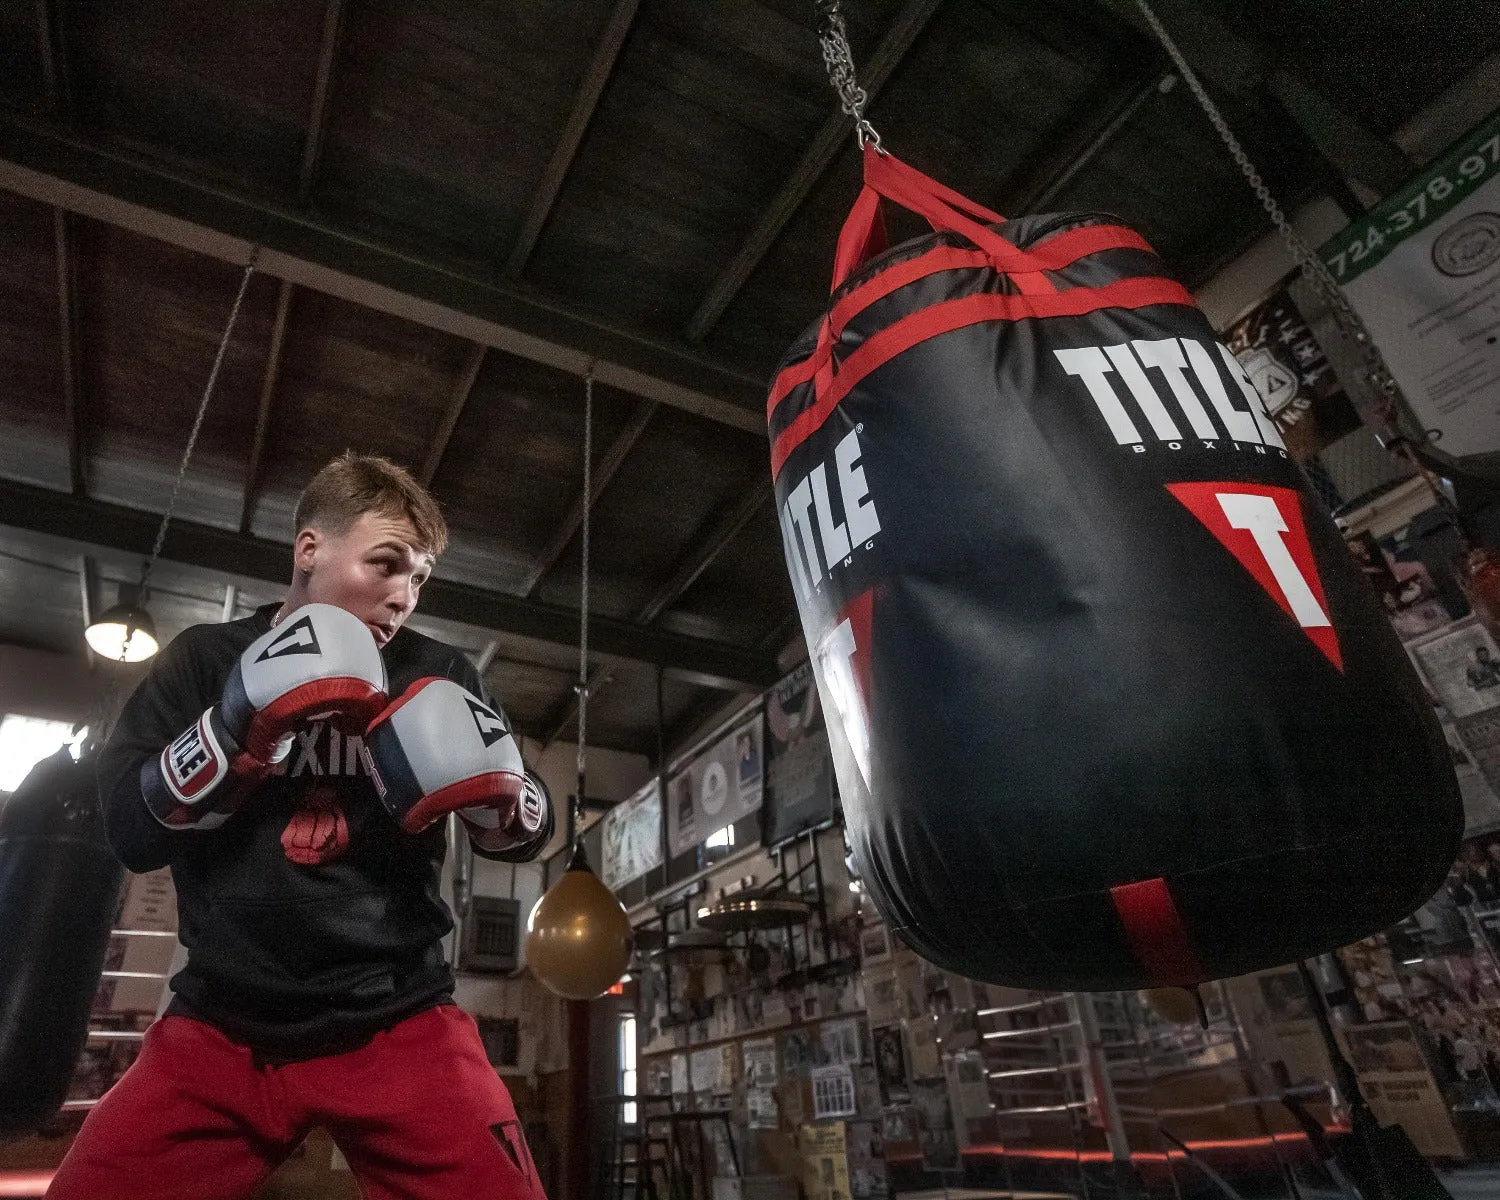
[(1399, 1087), (632, 837)]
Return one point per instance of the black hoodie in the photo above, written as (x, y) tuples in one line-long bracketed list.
[(311, 920)]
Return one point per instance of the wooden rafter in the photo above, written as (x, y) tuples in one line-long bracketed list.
[(601, 66), (709, 547), (603, 472), (458, 397), (42, 162), (94, 523), (69, 335), (317, 124), (269, 379)]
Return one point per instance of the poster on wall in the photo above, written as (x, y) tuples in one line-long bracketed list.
[(968, 1091), (868, 1178), (760, 1107), (1422, 270), (800, 790), (890, 1063), (1292, 375), (1400, 1089), (832, 1091), (1462, 667), (1407, 590), (825, 1162), (760, 1062), (1278, 1021), (632, 837), (1475, 767), (935, 1126), (724, 783)]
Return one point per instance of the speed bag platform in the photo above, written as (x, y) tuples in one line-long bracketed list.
[(1110, 704)]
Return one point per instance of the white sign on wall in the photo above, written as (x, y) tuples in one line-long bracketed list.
[(1422, 270)]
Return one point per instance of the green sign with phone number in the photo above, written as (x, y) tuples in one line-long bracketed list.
[(1424, 199)]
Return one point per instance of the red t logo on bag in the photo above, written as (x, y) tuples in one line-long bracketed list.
[(1262, 527)]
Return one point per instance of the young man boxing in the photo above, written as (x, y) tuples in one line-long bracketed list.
[(295, 770)]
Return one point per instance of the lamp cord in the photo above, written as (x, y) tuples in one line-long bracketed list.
[(582, 686)]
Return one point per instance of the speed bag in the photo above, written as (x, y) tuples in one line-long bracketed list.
[(1110, 704), (59, 889)]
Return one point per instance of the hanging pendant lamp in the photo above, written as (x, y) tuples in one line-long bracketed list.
[(125, 632), (578, 938)]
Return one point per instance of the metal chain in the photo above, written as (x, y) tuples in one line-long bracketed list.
[(582, 685), (1321, 277), (833, 36), (187, 454)]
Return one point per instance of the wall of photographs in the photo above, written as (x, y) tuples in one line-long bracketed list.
[(762, 779)]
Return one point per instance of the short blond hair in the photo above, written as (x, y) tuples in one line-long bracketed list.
[(354, 484)]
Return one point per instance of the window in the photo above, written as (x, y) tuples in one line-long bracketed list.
[(724, 838), (24, 742), (627, 1069)]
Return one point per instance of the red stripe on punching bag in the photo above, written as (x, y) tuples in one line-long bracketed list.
[(1157, 934), (955, 314)]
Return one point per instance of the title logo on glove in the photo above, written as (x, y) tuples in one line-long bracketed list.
[(529, 810), (491, 727), (299, 638)]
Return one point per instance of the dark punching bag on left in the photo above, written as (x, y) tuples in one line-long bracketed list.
[(59, 890)]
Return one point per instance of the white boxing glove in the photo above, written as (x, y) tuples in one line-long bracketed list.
[(440, 749), (319, 662)]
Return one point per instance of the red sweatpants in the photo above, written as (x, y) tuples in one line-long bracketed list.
[(419, 1113)]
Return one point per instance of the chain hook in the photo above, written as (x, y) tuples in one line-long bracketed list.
[(833, 37)]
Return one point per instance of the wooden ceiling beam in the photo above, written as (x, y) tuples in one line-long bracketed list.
[(713, 544), (56, 83), (487, 656), (46, 163), (317, 125), (93, 523), (603, 472), (70, 338), (1354, 150), (816, 159), (312, 150), (88, 589), (1236, 60), (56, 80), (601, 66), (1083, 135), (565, 713), (1220, 54), (458, 398), (268, 381)]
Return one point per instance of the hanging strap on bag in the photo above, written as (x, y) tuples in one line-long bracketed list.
[(947, 211)]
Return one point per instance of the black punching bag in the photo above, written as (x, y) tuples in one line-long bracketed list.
[(59, 890), (1109, 702)]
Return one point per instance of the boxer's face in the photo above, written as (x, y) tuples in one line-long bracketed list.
[(375, 569)]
